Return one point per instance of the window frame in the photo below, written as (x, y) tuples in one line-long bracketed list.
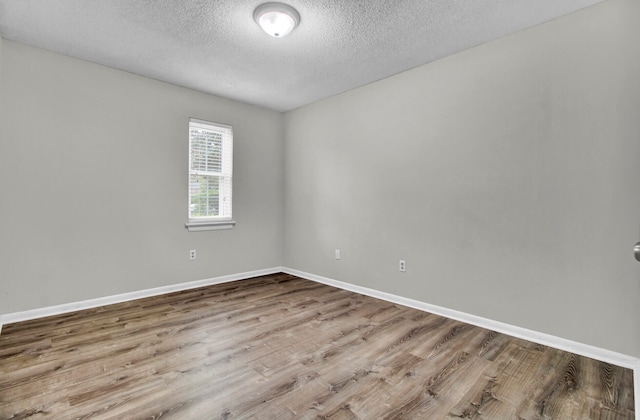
[(203, 223)]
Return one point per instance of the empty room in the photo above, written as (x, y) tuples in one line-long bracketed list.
[(419, 209)]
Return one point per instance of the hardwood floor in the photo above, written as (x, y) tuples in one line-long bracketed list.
[(280, 347)]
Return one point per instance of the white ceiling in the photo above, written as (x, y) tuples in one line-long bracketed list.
[(215, 46)]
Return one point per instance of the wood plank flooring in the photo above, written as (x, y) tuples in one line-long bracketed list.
[(280, 347)]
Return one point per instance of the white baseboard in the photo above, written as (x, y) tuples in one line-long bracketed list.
[(593, 352), (586, 350), (124, 297)]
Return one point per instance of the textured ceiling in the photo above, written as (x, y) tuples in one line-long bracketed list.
[(215, 46)]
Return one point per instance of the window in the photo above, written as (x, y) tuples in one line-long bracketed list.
[(210, 175)]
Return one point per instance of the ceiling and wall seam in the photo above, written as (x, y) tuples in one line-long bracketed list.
[(217, 47)]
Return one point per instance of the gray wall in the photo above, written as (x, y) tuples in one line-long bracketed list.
[(93, 183), (507, 176)]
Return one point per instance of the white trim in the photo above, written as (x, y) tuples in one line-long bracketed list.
[(636, 388), (537, 337), (586, 350), (207, 124), (593, 352), (124, 297), (210, 225)]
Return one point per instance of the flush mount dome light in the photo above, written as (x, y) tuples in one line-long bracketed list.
[(277, 19)]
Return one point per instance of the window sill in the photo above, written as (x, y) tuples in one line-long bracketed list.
[(212, 225)]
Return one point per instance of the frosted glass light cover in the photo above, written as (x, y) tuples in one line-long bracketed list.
[(276, 24), (276, 19)]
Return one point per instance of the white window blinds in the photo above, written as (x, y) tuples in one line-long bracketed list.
[(210, 171)]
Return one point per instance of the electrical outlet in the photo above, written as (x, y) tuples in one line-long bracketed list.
[(192, 254), (402, 266), (337, 254)]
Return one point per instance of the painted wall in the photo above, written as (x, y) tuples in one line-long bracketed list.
[(507, 176), (93, 183)]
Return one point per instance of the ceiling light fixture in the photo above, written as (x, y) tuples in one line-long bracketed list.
[(277, 19)]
